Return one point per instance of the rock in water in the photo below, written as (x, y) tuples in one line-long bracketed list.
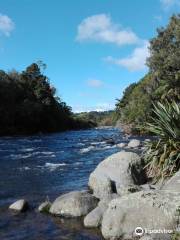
[(121, 145), (44, 207), (110, 141), (148, 210), (94, 218), (134, 143), (116, 174), (73, 204), (20, 205)]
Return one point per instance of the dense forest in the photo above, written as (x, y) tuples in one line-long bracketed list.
[(162, 83), (29, 104)]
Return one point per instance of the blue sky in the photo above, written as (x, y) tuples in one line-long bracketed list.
[(93, 48)]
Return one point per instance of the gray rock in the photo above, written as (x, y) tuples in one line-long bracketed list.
[(146, 237), (121, 145), (20, 205), (44, 207), (149, 210), (118, 172), (73, 204), (156, 236), (101, 185), (124, 189), (134, 143), (173, 184), (94, 218), (147, 187)]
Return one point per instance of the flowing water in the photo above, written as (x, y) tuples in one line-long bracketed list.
[(44, 166)]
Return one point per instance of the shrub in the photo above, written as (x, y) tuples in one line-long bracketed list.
[(163, 154)]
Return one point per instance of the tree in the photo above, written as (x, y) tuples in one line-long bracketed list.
[(164, 60), (161, 83), (28, 104)]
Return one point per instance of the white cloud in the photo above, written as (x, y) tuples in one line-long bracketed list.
[(95, 83), (100, 28), (169, 3), (6, 25), (136, 61), (99, 107)]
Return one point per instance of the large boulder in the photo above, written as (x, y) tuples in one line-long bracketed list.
[(156, 236), (116, 174), (134, 143), (150, 210), (73, 204), (19, 206), (173, 184), (94, 218)]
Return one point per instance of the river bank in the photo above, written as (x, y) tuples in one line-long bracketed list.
[(103, 159)]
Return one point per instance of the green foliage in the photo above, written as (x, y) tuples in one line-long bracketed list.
[(135, 105), (163, 80), (105, 118), (28, 104), (163, 155), (164, 61), (176, 236)]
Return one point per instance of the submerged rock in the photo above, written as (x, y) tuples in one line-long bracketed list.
[(110, 141), (44, 207), (73, 204), (121, 145), (148, 210), (116, 174), (134, 143), (20, 205)]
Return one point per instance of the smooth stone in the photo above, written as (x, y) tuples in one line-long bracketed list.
[(20, 205), (146, 209), (94, 218), (121, 145), (134, 143), (73, 204), (116, 174)]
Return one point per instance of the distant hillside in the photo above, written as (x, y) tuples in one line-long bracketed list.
[(105, 118)]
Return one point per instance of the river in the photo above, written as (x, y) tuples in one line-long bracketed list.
[(45, 166)]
